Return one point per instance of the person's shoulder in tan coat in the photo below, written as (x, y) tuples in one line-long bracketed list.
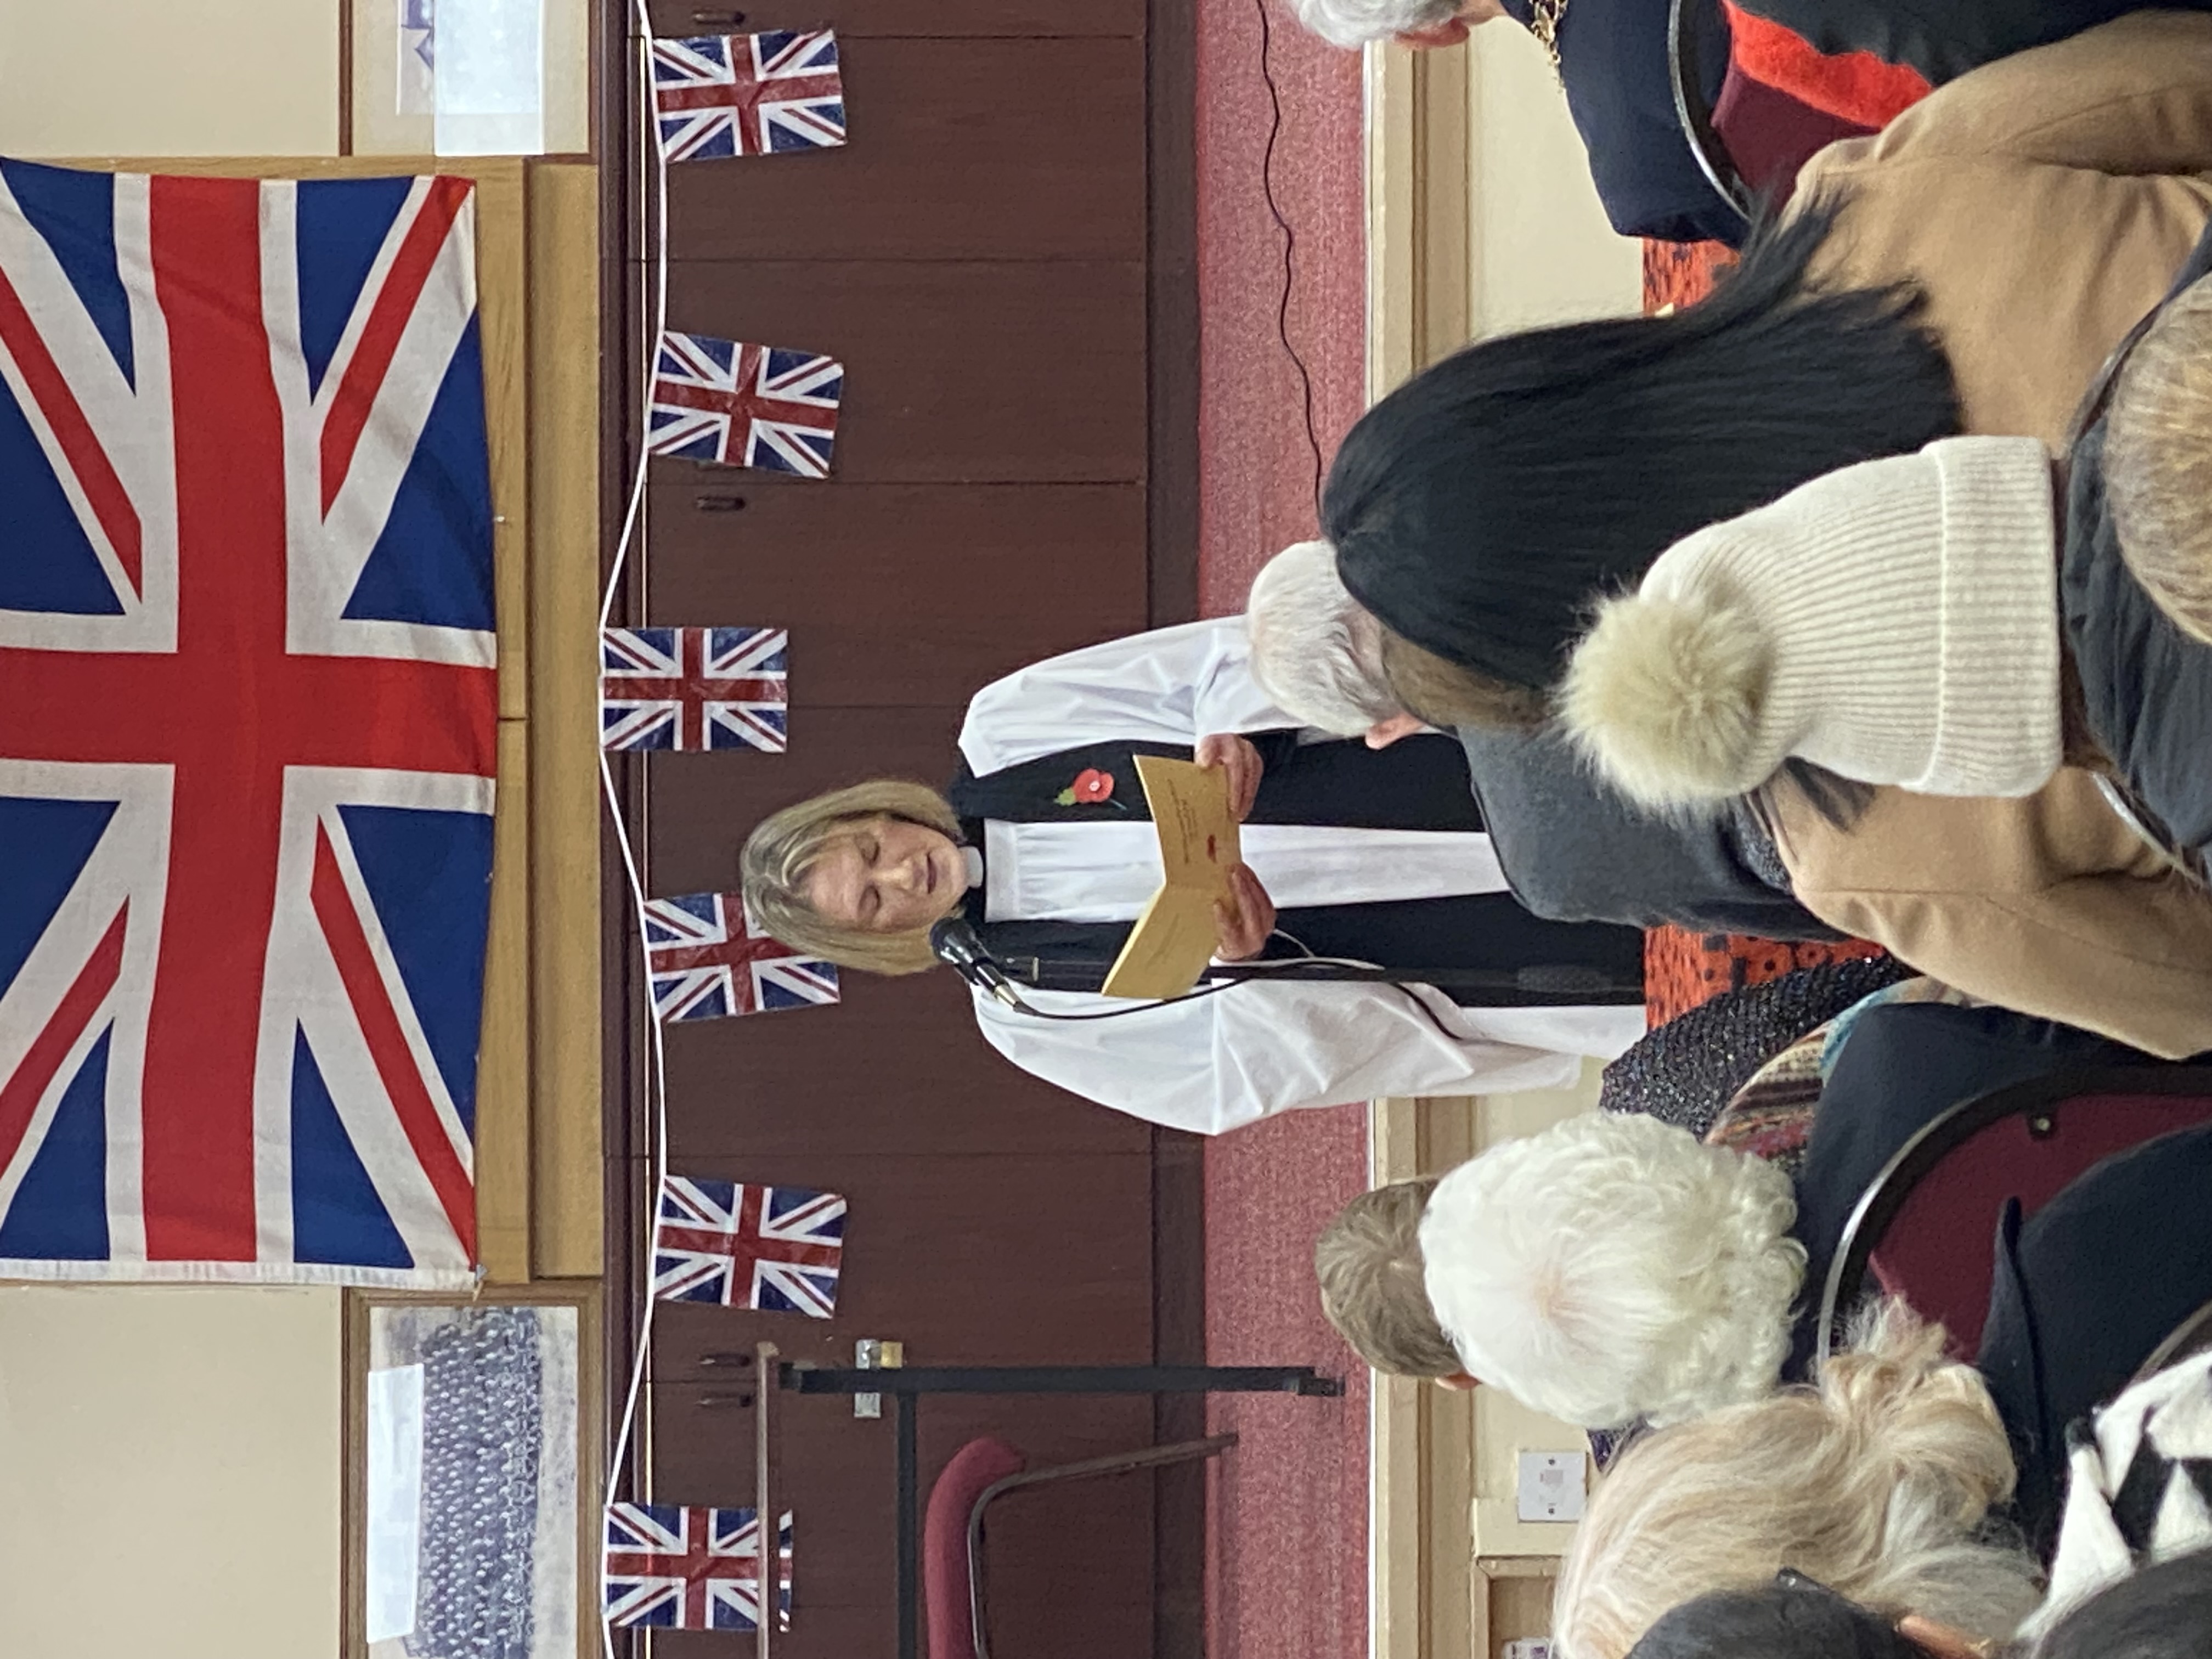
[(2042, 204)]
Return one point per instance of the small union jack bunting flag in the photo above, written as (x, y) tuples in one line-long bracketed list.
[(708, 959), (748, 94), (686, 1567), (775, 1249), (744, 405), (692, 688)]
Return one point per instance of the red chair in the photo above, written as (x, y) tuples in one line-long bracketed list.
[(1924, 1226), (1780, 101), (980, 1473)]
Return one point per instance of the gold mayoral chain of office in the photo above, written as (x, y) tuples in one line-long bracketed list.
[(1544, 18)]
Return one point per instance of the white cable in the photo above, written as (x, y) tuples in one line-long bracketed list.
[(632, 513), (656, 1058), (657, 1081)]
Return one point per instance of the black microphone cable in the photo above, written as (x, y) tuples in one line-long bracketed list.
[(955, 942), (1289, 243)]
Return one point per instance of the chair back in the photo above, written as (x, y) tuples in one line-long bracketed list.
[(951, 1614), (2185, 1341), (1925, 1228), (1686, 71)]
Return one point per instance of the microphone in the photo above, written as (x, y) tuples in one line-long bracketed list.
[(954, 942)]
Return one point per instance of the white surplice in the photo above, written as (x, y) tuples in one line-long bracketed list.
[(1210, 1063), (1171, 685), (1108, 872)]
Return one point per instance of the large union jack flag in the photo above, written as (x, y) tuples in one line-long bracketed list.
[(777, 1249), (247, 722), (744, 405), (748, 94), (686, 1567), (693, 688), (707, 958)]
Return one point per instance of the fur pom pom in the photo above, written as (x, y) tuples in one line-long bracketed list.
[(1665, 694)]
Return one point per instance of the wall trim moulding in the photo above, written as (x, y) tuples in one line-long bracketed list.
[(1419, 209)]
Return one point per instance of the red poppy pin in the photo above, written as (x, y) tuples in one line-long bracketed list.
[(1090, 786)]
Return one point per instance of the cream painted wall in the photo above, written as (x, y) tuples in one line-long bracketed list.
[(169, 77), (169, 1471), (1539, 248)]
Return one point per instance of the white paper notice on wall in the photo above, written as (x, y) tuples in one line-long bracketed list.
[(1550, 1485), (477, 68), (417, 57), (395, 1500)]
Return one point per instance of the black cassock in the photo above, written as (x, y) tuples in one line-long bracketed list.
[(1482, 950)]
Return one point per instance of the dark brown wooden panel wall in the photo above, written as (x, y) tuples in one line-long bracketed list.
[(1001, 257)]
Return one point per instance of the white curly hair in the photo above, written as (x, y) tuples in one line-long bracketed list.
[(1613, 1267), (1316, 650), (1355, 23)]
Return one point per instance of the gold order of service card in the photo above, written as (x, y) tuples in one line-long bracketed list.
[(1175, 938)]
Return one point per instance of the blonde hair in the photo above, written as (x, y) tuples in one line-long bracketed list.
[(1875, 1482), (1367, 1260), (1613, 1266), (1442, 693), (773, 866), (2158, 462)]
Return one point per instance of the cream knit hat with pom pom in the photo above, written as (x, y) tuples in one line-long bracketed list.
[(1896, 621)]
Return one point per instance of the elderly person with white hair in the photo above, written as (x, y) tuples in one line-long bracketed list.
[(1613, 1267), (1573, 849), (1606, 1270)]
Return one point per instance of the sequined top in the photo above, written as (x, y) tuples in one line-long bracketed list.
[(1687, 1070)]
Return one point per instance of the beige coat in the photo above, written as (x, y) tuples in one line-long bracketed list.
[(2044, 203)]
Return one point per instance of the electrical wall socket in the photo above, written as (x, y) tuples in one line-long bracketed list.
[(1550, 1485), (1530, 1647)]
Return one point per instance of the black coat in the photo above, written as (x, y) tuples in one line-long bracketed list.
[(2085, 1291), (1505, 955), (1614, 66)]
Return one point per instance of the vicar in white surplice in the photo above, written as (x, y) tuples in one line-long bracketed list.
[(1357, 853)]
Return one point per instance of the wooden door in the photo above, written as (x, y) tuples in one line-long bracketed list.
[(899, 596), (1028, 150)]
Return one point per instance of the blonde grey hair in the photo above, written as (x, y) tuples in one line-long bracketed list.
[(1368, 1261), (1875, 1482), (1613, 1267), (774, 863), (1355, 23), (1316, 650), (1443, 693), (2158, 461)]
